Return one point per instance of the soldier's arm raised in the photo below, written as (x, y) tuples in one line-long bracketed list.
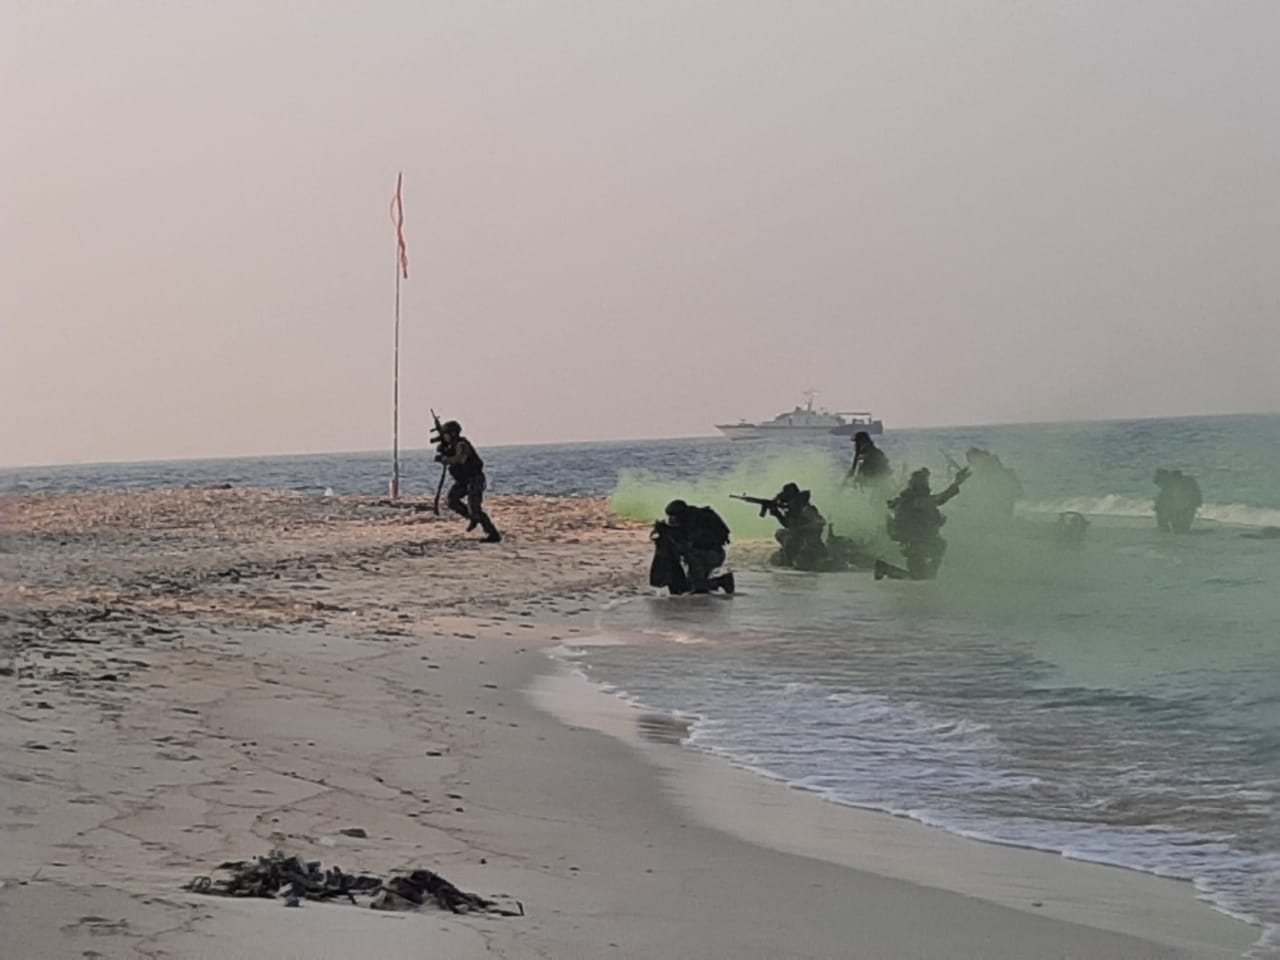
[(951, 491)]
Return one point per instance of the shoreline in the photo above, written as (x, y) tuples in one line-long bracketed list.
[(202, 675), (768, 811)]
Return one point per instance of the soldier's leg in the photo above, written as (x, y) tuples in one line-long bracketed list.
[(679, 574), (811, 553), (924, 559), (886, 569), (700, 564), (725, 581), (782, 558), (919, 567), (667, 569), (475, 502), (456, 499)]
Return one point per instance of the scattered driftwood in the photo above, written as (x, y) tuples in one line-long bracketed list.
[(279, 875)]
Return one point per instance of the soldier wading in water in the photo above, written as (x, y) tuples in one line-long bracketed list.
[(915, 523), (466, 496)]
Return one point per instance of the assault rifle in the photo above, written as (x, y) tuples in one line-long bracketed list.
[(765, 505), (437, 431)]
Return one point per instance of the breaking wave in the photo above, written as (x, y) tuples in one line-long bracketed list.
[(1118, 505)]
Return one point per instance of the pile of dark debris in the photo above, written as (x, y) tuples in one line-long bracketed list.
[(293, 879)]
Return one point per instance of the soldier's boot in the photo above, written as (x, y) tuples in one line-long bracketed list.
[(491, 532), (726, 582), (475, 522)]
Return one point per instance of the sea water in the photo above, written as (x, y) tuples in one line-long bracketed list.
[(1117, 700)]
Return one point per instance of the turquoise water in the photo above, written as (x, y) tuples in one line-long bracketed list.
[(1119, 701)]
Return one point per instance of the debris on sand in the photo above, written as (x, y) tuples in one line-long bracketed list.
[(293, 879)]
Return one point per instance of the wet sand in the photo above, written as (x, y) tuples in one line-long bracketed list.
[(192, 676)]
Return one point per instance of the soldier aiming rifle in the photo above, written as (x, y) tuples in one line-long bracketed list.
[(800, 539)]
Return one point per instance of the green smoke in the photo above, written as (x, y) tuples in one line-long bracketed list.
[(985, 564), (642, 495), (1121, 605)]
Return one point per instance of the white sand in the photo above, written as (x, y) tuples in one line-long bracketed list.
[(285, 667)]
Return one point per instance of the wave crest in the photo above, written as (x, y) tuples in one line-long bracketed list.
[(1118, 505)]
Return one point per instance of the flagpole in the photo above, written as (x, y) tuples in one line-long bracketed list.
[(395, 393), (402, 270)]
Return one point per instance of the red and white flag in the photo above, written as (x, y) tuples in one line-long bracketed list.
[(397, 217)]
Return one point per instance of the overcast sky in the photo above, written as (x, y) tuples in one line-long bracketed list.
[(627, 219)]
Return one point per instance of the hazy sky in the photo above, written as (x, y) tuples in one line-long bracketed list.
[(627, 219)]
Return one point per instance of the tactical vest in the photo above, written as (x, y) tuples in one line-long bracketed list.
[(916, 518), (874, 463), (706, 530), (469, 468)]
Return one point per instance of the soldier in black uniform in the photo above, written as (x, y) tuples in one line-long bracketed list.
[(915, 524), (466, 496), (870, 466), (800, 539), (996, 488), (687, 547), (1177, 502)]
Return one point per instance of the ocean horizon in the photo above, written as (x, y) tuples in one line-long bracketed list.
[(657, 438)]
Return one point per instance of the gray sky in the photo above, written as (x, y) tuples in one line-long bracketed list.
[(627, 219)]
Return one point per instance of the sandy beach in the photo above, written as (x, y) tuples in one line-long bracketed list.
[(201, 675)]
